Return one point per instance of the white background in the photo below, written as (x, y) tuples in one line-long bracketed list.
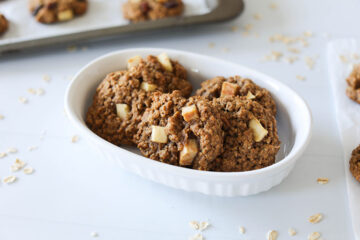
[(73, 192)]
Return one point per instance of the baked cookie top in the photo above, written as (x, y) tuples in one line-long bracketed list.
[(251, 140), (182, 132), (142, 10), (51, 11), (4, 24), (355, 163), (353, 81), (237, 86), (122, 97)]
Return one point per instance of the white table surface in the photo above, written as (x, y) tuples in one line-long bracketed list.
[(73, 192)]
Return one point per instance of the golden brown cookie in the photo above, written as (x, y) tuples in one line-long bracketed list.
[(51, 11), (237, 86), (355, 163), (4, 24), (142, 10), (251, 140), (123, 96), (182, 132), (353, 81)]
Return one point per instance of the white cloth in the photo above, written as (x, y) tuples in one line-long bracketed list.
[(342, 54)]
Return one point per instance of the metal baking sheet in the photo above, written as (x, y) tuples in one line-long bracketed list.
[(103, 19)]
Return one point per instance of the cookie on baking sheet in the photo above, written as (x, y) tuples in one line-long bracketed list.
[(51, 11), (182, 132), (251, 140), (4, 24), (353, 81), (355, 163), (122, 97), (142, 10), (237, 86)]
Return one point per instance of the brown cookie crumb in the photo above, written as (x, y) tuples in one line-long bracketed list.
[(181, 121), (355, 163), (4, 24), (142, 10), (245, 88), (353, 81), (242, 150)]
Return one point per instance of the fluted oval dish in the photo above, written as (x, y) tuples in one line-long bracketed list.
[(293, 117)]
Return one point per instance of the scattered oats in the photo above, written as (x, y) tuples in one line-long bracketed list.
[(40, 91), (3, 154), (248, 27), (211, 45), (94, 234), (245, 33), (314, 236), (234, 28), (343, 59), (23, 100), (197, 236), (275, 56), (301, 78), (46, 78), (242, 230), (355, 56), (204, 225), (2, 117), (310, 62), (322, 180), (12, 150), (272, 235), (273, 6), (315, 218), (28, 170), (291, 60), (257, 35), (72, 48), (31, 91), (304, 43), (293, 50), (292, 232), (18, 164), (194, 224), (74, 139), (226, 49), (32, 148), (308, 34), (9, 179), (257, 16)]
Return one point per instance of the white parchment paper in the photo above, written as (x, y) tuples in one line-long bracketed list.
[(100, 14), (347, 114)]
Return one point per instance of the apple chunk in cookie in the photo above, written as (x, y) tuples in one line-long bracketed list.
[(192, 129), (4, 24)]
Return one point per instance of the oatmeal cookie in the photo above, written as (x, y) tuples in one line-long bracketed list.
[(3, 24), (355, 163), (237, 86), (353, 81), (182, 132), (142, 10), (122, 97), (251, 140), (51, 11)]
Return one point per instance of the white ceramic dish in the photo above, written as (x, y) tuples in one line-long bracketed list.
[(294, 126)]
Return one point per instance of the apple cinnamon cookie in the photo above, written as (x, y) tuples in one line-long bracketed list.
[(4, 24), (251, 140), (353, 81), (123, 96), (355, 163), (51, 11), (142, 10), (182, 132), (237, 86)]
